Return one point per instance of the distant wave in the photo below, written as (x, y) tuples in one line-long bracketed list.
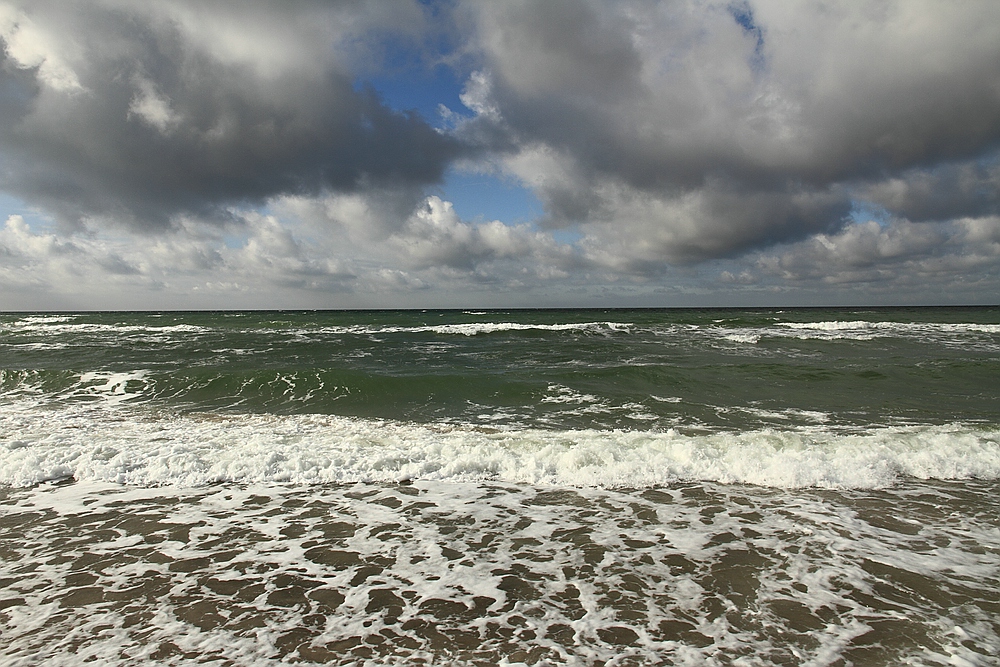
[(476, 328), (860, 329), (892, 327), (64, 325), (840, 330)]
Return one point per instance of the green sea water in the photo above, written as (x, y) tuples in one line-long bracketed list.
[(606, 369)]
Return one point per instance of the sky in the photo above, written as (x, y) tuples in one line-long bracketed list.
[(177, 154)]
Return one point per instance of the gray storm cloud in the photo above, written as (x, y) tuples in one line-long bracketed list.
[(138, 111), (798, 110)]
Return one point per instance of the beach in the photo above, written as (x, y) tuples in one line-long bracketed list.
[(579, 487)]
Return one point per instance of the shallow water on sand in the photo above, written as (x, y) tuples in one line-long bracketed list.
[(491, 573)]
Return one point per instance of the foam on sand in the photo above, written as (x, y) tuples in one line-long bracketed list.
[(492, 573)]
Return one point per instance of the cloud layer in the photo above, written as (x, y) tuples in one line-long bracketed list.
[(727, 151)]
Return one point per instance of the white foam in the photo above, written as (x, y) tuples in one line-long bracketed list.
[(39, 346), (864, 324), (110, 440), (65, 325), (110, 387), (562, 394), (743, 336), (45, 319), (864, 330), (814, 416), (838, 326), (477, 328)]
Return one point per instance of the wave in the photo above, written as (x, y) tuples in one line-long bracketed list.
[(858, 330), (826, 330), (864, 324), (45, 319), (56, 326), (61, 324), (868, 328), (142, 448), (476, 328)]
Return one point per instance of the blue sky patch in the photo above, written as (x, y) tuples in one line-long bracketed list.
[(486, 197)]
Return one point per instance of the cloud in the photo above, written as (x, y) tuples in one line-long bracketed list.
[(942, 192), (434, 236), (140, 111), (707, 129), (93, 272), (929, 258), (47, 262), (312, 250)]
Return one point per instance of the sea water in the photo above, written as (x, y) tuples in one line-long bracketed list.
[(579, 487)]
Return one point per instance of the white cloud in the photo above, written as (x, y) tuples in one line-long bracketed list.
[(153, 107), (263, 256), (48, 263), (272, 254), (919, 258), (31, 46)]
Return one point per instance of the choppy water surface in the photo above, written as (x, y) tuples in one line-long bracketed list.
[(801, 487)]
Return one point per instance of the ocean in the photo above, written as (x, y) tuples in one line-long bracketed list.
[(503, 487)]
